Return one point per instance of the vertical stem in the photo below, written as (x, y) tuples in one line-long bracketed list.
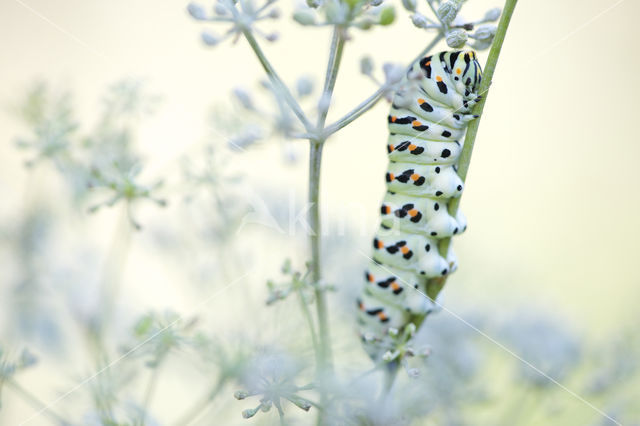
[(315, 161), (434, 286)]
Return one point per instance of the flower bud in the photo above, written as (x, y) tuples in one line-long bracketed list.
[(210, 39), (240, 395), (272, 37), (456, 38), (492, 14), (448, 10), (250, 412), (274, 14), (410, 5), (366, 65), (196, 11), (243, 97), (419, 20), (485, 32), (304, 17), (304, 86), (220, 9), (387, 16)]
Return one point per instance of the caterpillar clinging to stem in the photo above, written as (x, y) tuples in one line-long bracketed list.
[(427, 123)]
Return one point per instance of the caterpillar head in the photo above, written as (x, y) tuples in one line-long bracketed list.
[(466, 72)]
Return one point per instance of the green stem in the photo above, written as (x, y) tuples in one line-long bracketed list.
[(35, 402), (276, 80), (434, 286), (372, 100), (307, 316), (333, 65)]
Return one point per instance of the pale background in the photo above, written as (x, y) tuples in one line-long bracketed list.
[(552, 196)]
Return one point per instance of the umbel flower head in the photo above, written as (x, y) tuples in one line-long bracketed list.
[(272, 378)]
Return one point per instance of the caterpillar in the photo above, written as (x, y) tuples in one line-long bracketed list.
[(427, 122)]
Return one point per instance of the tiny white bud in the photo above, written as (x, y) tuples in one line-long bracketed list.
[(240, 394), (247, 414), (196, 11), (274, 14), (210, 39), (272, 37), (243, 97), (392, 73), (304, 86), (393, 332), (419, 20), (411, 329), (456, 38), (220, 9), (410, 5), (485, 32), (304, 17), (493, 14), (366, 65), (448, 10)]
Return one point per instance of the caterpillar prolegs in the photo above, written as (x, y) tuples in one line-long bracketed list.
[(427, 122)]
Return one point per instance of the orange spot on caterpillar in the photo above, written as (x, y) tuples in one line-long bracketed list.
[(370, 278), (416, 123), (415, 176), (458, 70), (412, 147), (404, 250), (361, 306), (438, 78), (391, 147), (387, 209), (382, 316), (413, 212), (391, 176), (393, 118), (380, 244), (428, 64), (421, 101)]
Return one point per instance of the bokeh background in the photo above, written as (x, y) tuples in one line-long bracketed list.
[(551, 198)]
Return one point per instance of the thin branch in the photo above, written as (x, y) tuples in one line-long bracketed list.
[(434, 286), (370, 102), (277, 81)]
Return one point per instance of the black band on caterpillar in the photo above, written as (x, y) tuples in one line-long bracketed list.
[(427, 121)]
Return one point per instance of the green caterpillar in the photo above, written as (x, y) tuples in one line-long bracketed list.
[(427, 122)]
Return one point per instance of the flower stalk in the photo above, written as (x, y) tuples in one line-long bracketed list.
[(434, 286)]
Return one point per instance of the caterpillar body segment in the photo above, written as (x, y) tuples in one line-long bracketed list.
[(427, 122)]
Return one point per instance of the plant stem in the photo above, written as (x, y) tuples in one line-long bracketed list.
[(333, 65), (276, 80), (315, 161), (35, 402), (434, 286), (369, 103), (307, 316)]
